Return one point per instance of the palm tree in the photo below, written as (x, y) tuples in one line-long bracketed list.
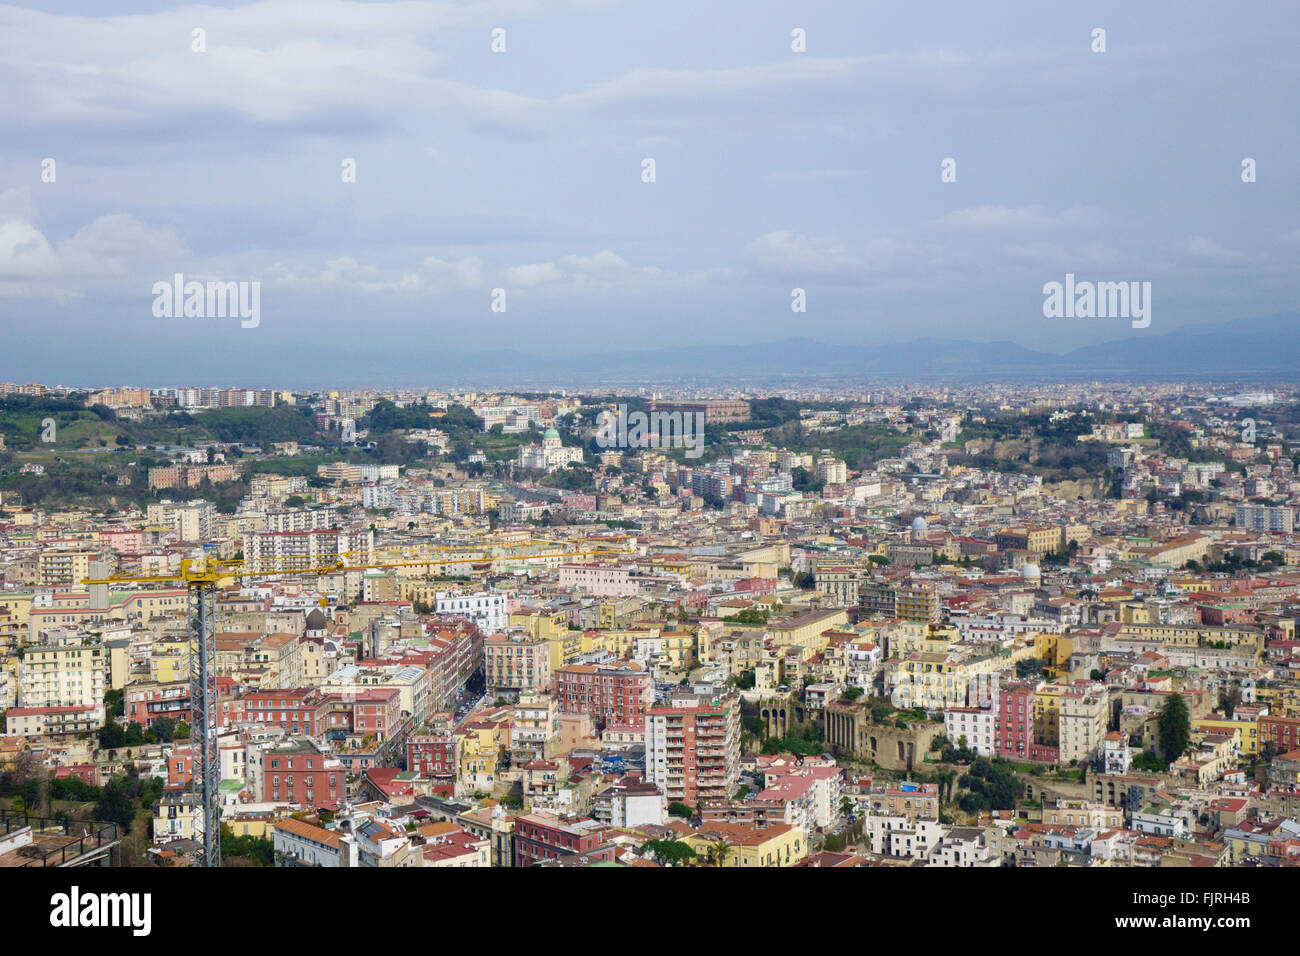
[(718, 851)]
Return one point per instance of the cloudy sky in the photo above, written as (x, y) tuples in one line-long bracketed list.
[(523, 170)]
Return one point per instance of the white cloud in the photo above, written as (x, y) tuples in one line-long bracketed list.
[(104, 248), (1205, 249), (995, 218), (792, 254), (537, 273)]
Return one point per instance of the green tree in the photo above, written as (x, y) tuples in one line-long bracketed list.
[(260, 851), (1029, 667), (117, 802), (1175, 727), (111, 735), (114, 703), (670, 852), (677, 809), (718, 852)]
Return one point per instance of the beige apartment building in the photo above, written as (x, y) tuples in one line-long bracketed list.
[(1038, 540), (63, 568), (517, 662), (66, 670), (271, 661), (189, 521), (1083, 720)]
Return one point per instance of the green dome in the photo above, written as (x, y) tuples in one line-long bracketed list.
[(551, 433)]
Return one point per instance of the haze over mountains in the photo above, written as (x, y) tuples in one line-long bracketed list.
[(1246, 349)]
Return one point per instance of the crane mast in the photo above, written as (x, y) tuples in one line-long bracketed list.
[(201, 578)]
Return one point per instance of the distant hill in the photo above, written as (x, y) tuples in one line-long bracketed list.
[(1266, 347)]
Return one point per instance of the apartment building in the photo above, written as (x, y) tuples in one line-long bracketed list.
[(189, 476), (457, 501), (977, 726), (693, 747), (146, 701), (488, 609), (52, 721), (713, 410), (189, 520), (840, 584), (615, 696), (263, 660), (339, 471), (598, 579), (57, 568), (533, 729), (65, 670), (517, 663), (1082, 722), (302, 519), (916, 602), (1265, 518), (300, 773), (1037, 540), (433, 755), (298, 843), (541, 837), (309, 549)]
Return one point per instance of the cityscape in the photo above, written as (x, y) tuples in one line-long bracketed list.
[(502, 435), (980, 626)]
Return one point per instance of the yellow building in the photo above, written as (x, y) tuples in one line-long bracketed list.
[(17, 604), (1217, 724), (479, 753), (259, 826), (679, 648), (553, 627), (622, 642), (1047, 714), (806, 630), (1054, 651), (1135, 613), (170, 660), (777, 845)]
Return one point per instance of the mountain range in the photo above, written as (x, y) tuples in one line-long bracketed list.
[(1245, 349)]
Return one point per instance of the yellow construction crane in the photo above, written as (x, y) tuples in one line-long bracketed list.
[(202, 576)]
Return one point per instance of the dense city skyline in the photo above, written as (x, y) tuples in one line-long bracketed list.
[(595, 434)]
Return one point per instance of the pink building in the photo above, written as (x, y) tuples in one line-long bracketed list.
[(599, 579)]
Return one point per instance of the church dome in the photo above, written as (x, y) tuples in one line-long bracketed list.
[(918, 524)]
